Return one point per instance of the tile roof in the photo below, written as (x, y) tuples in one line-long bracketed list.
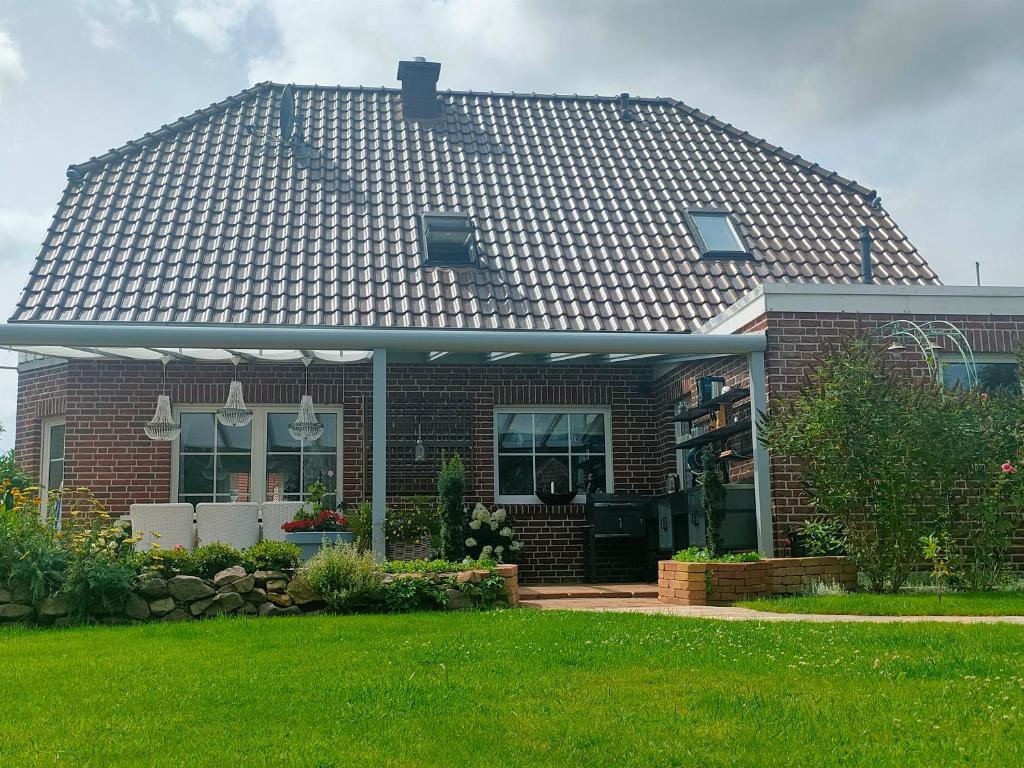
[(579, 216)]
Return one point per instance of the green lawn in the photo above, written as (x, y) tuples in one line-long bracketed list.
[(512, 688), (900, 604)]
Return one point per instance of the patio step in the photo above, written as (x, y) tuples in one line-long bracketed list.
[(580, 591)]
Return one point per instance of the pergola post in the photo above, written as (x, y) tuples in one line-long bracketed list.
[(380, 449), (762, 480)]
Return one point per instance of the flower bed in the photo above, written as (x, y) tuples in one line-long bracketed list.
[(711, 583), (243, 592)]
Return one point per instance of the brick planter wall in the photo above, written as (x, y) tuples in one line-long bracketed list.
[(724, 583)]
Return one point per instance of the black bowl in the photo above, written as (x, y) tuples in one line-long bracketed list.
[(552, 499)]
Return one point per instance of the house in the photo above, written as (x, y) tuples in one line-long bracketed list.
[(540, 283)]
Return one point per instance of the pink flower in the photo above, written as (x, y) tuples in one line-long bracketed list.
[(1008, 468)]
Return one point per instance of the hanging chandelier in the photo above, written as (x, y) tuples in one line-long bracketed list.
[(306, 427), (234, 413), (163, 426)]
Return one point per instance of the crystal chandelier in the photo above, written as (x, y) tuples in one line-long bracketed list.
[(234, 413), (306, 427), (163, 426)]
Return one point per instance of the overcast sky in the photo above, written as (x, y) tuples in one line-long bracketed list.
[(923, 101)]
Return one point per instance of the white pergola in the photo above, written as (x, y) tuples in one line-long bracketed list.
[(275, 344)]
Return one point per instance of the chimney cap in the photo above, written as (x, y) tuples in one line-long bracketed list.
[(419, 68)]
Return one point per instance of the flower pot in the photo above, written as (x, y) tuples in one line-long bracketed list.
[(311, 541)]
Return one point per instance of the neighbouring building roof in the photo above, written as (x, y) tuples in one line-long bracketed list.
[(578, 211)]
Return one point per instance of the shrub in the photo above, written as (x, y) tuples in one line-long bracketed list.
[(712, 499), (894, 458), (491, 535), (169, 562), (274, 556), (823, 536), (11, 478), (435, 566), (360, 522), (344, 577), (451, 485), (31, 555), (210, 559), (101, 565), (413, 593), (703, 555)]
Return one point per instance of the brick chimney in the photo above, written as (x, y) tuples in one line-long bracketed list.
[(419, 89)]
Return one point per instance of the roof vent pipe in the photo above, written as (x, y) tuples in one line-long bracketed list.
[(419, 88), (865, 256)]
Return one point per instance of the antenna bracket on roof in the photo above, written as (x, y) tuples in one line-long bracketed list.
[(290, 128)]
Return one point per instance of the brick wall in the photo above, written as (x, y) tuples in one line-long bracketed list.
[(106, 404), (796, 342)]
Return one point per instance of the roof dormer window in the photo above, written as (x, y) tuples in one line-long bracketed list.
[(716, 234), (448, 239)]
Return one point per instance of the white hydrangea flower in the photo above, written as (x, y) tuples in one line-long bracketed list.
[(480, 512), (506, 532), (515, 546), (494, 525), (474, 524), (499, 550), (499, 515), (486, 551), (471, 542)]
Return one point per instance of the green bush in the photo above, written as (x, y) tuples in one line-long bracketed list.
[(491, 535), (712, 499), (169, 562), (435, 566), (451, 485), (895, 458), (12, 479), (360, 522), (212, 558), (344, 577), (274, 556), (101, 567), (702, 555), (823, 536), (412, 593)]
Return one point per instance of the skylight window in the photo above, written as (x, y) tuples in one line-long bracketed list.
[(448, 239), (717, 235)]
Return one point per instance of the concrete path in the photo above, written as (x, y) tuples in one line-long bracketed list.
[(730, 613)]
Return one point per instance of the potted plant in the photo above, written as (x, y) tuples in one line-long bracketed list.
[(313, 527)]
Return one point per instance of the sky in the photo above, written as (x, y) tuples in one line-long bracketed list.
[(923, 101)]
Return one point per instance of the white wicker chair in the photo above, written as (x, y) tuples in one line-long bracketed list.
[(169, 525), (234, 524), (276, 513)]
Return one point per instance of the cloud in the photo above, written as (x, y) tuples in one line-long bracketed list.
[(107, 21), (213, 21), (11, 69)]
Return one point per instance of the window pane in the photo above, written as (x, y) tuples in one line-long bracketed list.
[(55, 474), (197, 432), (56, 445), (320, 466), (992, 377), (553, 471), (234, 438), (587, 432), (589, 473), (329, 439), (233, 478), (278, 438), (552, 432), (515, 475), (716, 231), (196, 475), (283, 476), (515, 433), (195, 499)]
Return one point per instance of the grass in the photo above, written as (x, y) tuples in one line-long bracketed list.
[(899, 604), (512, 688)]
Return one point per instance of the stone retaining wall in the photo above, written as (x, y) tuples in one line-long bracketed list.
[(724, 583), (232, 591)]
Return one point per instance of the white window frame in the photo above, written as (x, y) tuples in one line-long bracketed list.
[(609, 463), (258, 446), (49, 422), (980, 357)]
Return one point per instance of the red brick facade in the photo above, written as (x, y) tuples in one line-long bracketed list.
[(106, 403)]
